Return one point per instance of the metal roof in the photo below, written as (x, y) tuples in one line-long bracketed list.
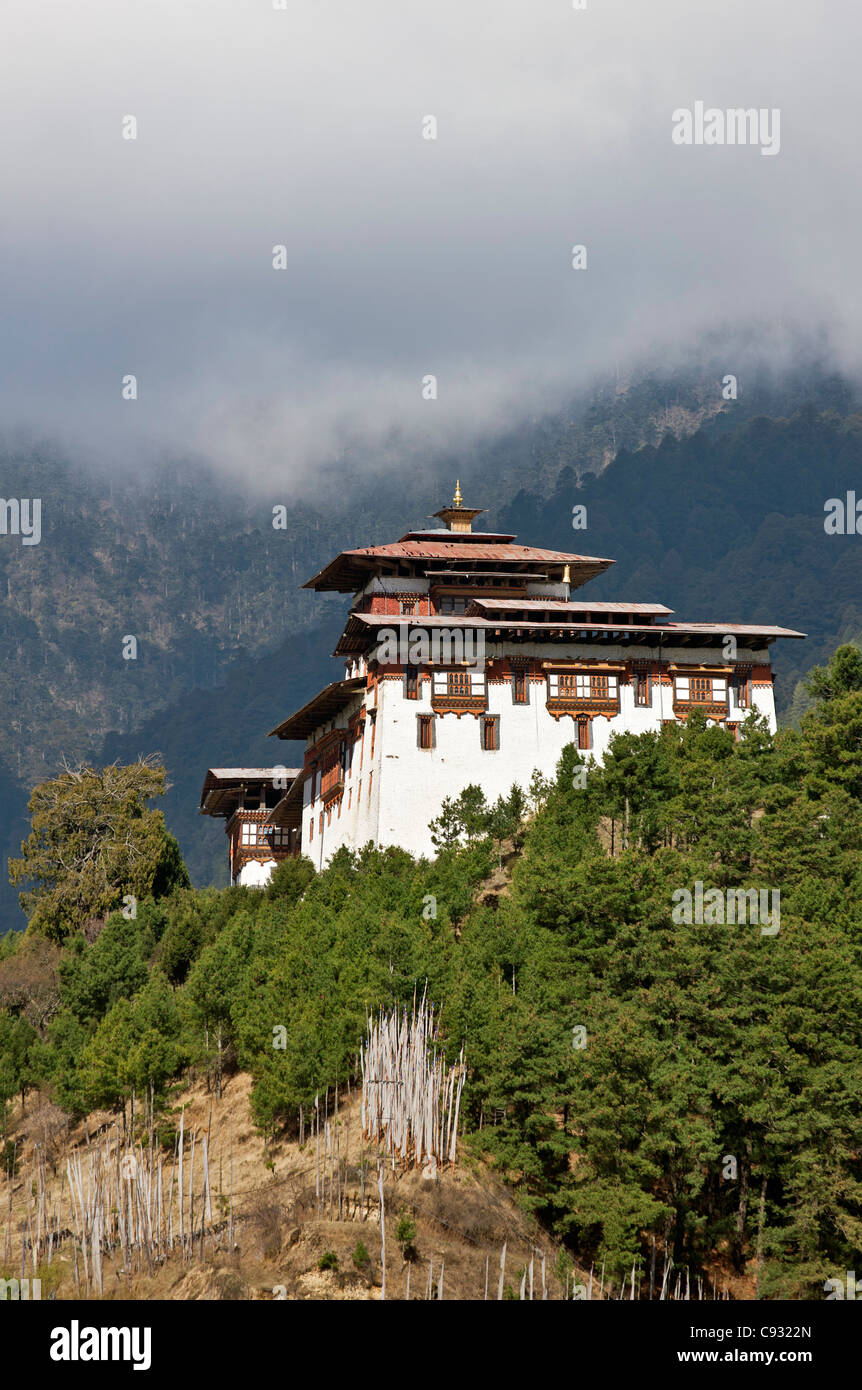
[(222, 785), (326, 703), (744, 629), (238, 774), (349, 570), (357, 634), (288, 813), (558, 605)]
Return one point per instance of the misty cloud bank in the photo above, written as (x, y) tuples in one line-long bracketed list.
[(405, 257)]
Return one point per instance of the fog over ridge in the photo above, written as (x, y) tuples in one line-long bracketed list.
[(405, 257)]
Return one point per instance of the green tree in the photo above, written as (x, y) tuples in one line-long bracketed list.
[(93, 841)]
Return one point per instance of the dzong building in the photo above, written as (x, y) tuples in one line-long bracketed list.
[(469, 657)]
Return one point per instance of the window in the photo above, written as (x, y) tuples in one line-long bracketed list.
[(411, 683), (451, 603), (582, 685), (584, 733), (491, 733), (641, 683), (743, 689), (373, 732), (458, 688), (701, 690), (310, 829), (425, 730), (249, 833), (278, 838), (520, 686), (370, 780), (408, 607), (320, 826)]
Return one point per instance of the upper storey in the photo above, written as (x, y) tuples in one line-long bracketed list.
[(455, 556)]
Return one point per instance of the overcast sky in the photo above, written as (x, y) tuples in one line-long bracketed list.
[(405, 256)]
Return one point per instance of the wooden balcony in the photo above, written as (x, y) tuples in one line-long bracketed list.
[(332, 783), (713, 709), (460, 704), (558, 705)]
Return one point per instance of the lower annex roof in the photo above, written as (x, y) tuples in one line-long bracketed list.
[(222, 785), (287, 814)]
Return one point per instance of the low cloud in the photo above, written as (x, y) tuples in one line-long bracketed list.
[(405, 257)]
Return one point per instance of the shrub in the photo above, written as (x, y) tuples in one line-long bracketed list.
[(361, 1257), (405, 1234)]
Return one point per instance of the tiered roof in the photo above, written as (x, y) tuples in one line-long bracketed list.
[(428, 554), (454, 551), (457, 553)]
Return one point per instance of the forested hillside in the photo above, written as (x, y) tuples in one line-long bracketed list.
[(642, 1078)]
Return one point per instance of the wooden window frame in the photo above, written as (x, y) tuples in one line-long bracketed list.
[(459, 690), (459, 685), (492, 722), (412, 683), (426, 721), (706, 689), (642, 683), (579, 687), (520, 681)]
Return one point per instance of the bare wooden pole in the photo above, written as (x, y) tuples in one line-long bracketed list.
[(382, 1234)]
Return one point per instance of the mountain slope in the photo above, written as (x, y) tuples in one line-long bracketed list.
[(726, 522)]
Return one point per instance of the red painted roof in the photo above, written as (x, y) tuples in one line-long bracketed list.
[(348, 571)]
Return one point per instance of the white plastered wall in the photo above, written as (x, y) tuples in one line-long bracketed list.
[(410, 784)]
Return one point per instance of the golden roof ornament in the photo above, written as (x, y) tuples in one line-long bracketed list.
[(457, 517)]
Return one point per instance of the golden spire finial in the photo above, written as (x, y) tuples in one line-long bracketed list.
[(457, 499)]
